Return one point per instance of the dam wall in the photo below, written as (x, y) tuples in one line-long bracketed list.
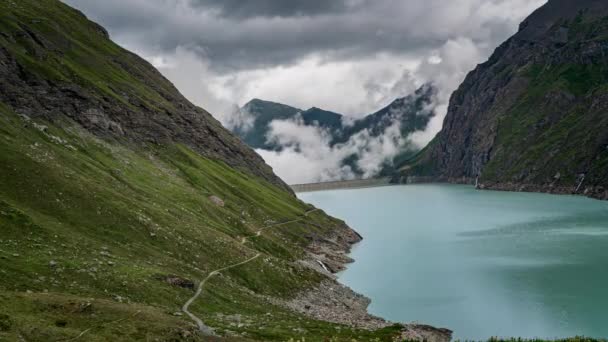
[(347, 184)]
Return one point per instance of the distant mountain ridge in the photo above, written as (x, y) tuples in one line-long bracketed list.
[(412, 113), (264, 112)]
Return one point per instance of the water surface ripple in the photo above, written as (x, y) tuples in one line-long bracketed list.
[(481, 263)]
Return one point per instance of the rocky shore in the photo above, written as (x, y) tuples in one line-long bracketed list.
[(334, 302), (592, 191), (597, 192), (330, 250)]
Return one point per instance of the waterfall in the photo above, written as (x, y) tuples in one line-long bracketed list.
[(580, 183), (323, 265)]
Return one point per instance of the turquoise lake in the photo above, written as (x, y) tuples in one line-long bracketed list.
[(481, 263)]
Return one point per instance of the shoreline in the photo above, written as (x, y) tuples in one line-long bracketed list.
[(597, 192), (311, 302), (335, 302), (593, 191)]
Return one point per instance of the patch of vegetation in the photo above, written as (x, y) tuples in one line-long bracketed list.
[(539, 128), (80, 57)]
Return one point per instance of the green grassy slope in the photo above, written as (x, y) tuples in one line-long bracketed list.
[(556, 131), (541, 135), (55, 63), (106, 174), (89, 228)]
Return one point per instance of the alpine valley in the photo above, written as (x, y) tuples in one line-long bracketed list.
[(127, 213)]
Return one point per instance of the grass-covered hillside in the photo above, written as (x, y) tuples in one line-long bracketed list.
[(118, 196), (55, 63), (92, 231)]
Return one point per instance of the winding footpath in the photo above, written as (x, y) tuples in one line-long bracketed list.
[(202, 327)]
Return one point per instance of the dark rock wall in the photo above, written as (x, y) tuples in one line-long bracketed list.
[(534, 114)]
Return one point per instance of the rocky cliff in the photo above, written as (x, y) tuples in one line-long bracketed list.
[(534, 116)]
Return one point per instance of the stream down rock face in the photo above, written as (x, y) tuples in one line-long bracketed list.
[(536, 109), (113, 93)]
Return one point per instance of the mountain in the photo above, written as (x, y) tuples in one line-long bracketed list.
[(263, 113), (323, 118), (117, 96), (119, 198), (534, 116), (411, 112)]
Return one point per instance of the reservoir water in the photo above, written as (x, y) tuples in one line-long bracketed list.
[(481, 263)]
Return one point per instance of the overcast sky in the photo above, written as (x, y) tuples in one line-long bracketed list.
[(348, 56)]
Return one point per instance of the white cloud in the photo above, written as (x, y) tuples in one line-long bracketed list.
[(309, 157), (308, 149)]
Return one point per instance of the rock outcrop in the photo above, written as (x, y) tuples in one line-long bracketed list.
[(113, 93)]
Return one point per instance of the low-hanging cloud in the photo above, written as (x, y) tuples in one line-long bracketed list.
[(309, 148), (318, 159), (347, 56)]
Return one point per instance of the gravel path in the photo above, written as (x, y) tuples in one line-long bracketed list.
[(201, 326), (206, 330)]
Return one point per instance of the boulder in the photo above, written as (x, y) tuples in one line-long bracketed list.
[(216, 200)]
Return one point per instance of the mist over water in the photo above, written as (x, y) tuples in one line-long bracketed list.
[(481, 263)]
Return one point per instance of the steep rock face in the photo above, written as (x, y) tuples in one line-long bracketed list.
[(533, 117), (50, 72)]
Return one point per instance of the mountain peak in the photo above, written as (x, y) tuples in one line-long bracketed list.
[(555, 12)]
